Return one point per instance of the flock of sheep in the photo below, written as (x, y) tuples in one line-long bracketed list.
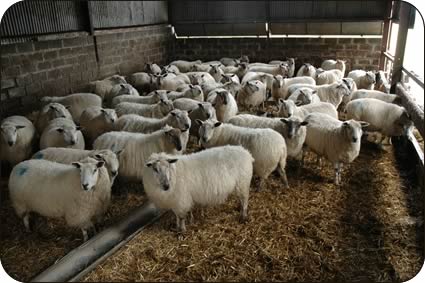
[(150, 117)]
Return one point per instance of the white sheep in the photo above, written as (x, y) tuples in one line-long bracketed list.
[(152, 98), (158, 110), (76, 102), (288, 108), (281, 85), (165, 82), (216, 72), (292, 129), (387, 118), (70, 155), (203, 112), (233, 61), (252, 94), (62, 132), (198, 78), (185, 66), (206, 178), (382, 83), (329, 77), (153, 69), (363, 79), (333, 93), (138, 124), (265, 78), (307, 70), (138, 147), (119, 90), (80, 192), (338, 142), (142, 81), (224, 103), (334, 64), (200, 67), (49, 112), (304, 95), (17, 139), (228, 77), (170, 69), (95, 121), (192, 92), (266, 145), (103, 87), (281, 69), (365, 93), (232, 87)]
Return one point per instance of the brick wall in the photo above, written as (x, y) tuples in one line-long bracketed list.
[(359, 52), (62, 66)]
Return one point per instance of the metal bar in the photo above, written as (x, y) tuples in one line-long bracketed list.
[(276, 21), (91, 28), (413, 77), (385, 36), (401, 43), (389, 56), (415, 112), (98, 248)]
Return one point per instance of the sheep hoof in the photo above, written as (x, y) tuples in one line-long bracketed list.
[(243, 219)]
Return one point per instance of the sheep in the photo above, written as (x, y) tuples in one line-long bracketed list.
[(138, 147), (200, 67), (307, 70), (142, 81), (198, 78), (79, 192), (103, 87), (61, 132), (138, 124), (265, 78), (207, 87), (153, 69), (185, 66), (152, 98), (70, 155), (333, 93), (232, 87), (225, 61), (281, 69), (216, 72), (171, 83), (228, 77), (203, 112), (119, 90), (266, 146), (50, 112), (158, 110), (252, 94), (382, 82), (387, 118), (185, 104), (192, 92), (76, 102), (95, 121), (334, 64), (292, 129), (364, 93), (303, 96), (224, 103), (329, 77), (363, 79), (170, 69), (203, 178), (281, 85), (17, 139), (338, 142), (288, 108)]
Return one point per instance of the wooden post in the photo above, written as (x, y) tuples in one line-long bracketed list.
[(415, 112), (386, 35), (403, 28)]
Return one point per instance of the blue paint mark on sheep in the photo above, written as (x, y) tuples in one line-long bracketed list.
[(22, 170), (38, 155)]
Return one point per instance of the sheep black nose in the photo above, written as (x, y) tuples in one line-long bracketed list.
[(187, 126), (114, 173), (166, 187), (72, 142), (179, 147), (86, 186), (354, 139), (10, 143)]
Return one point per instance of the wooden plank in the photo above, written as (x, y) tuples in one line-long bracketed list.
[(401, 43), (415, 112)]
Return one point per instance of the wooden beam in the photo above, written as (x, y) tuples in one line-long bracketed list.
[(416, 113), (386, 35), (403, 28)]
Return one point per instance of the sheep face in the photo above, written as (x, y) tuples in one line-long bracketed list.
[(116, 79), (125, 89), (370, 77), (180, 119), (70, 134), (305, 96), (10, 133), (244, 58), (194, 91), (109, 115), (350, 83), (206, 129), (251, 87), (55, 110), (342, 89), (174, 137), (353, 130), (89, 173), (163, 170), (165, 106), (111, 161), (403, 124), (286, 108), (293, 126), (207, 110), (226, 78)]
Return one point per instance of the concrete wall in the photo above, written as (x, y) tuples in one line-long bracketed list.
[(61, 66)]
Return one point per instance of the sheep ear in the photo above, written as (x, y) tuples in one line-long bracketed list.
[(76, 164), (217, 124), (60, 130), (168, 91), (78, 128), (281, 100), (314, 92), (201, 105), (364, 124), (20, 127), (298, 103), (100, 164), (345, 124), (173, 113), (149, 164), (161, 100), (199, 122), (302, 92), (98, 156), (191, 86), (172, 160), (102, 110), (284, 120), (304, 123), (202, 75), (189, 111), (122, 86), (119, 152), (67, 107)]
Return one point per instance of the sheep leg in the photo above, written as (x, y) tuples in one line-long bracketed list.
[(261, 184), (282, 174), (337, 169), (85, 235), (182, 224), (26, 219), (244, 208), (190, 217)]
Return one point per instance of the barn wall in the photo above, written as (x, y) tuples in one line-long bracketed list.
[(359, 52), (62, 66)]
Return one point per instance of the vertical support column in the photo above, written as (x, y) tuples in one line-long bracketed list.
[(386, 35), (401, 44), (91, 29), (267, 5)]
